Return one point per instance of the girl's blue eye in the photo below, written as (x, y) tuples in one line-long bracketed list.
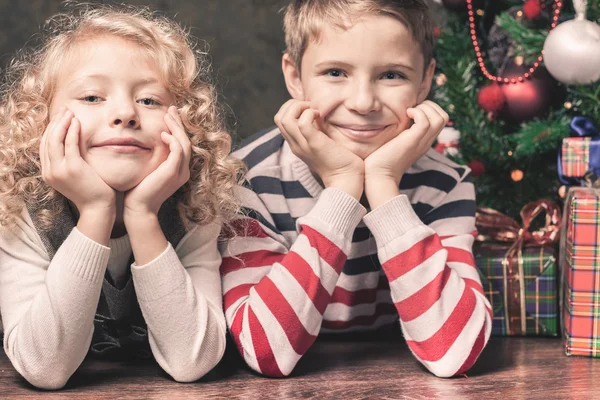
[(149, 102), (91, 99)]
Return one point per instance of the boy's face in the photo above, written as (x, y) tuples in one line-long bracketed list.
[(362, 80), (120, 100)]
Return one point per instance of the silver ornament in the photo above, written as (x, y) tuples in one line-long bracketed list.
[(572, 49)]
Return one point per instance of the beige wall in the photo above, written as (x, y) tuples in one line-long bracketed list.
[(245, 39)]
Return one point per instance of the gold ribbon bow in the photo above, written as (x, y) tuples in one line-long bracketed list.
[(590, 180), (495, 226)]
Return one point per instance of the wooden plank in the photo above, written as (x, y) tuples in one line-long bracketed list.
[(343, 368)]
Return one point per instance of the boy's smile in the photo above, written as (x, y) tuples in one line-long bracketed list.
[(361, 80), (118, 96), (360, 132)]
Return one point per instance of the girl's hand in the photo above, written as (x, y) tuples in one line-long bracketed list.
[(336, 166), (65, 170), (385, 166), (149, 195)]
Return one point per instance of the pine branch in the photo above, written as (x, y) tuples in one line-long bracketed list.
[(541, 136), (529, 42), (585, 100)]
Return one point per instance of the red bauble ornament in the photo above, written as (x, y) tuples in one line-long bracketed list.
[(532, 9), (530, 98), (477, 168), (437, 31), (491, 98)]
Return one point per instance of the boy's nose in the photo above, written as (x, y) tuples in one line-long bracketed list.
[(364, 100)]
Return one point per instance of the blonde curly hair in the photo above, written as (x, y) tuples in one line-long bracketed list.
[(27, 93)]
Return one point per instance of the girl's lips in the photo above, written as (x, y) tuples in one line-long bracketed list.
[(361, 132), (127, 149), (123, 145)]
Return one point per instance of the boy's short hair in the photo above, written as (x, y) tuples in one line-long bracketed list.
[(304, 18)]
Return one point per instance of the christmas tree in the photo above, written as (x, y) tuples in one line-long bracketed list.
[(511, 104)]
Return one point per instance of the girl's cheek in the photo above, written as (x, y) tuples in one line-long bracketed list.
[(162, 149)]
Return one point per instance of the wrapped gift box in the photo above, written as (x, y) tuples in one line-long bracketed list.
[(532, 309), (580, 271), (580, 153), (575, 161), (518, 270)]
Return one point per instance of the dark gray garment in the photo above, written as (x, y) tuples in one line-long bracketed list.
[(119, 327)]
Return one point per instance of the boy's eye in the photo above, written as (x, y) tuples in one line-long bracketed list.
[(148, 101), (336, 73), (393, 75)]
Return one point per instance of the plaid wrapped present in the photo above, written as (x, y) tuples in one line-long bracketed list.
[(581, 153), (576, 155), (518, 270), (539, 300), (580, 272)]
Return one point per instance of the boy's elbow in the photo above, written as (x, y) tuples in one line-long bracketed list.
[(443, 371), (273, 374), (276, 370)]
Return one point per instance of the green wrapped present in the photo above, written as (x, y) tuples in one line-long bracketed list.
[(518, 270)]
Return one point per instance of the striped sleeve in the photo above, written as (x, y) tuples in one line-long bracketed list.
[(275, 294), (444, 315)]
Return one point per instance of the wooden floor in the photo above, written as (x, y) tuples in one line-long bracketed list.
[(344, 368)]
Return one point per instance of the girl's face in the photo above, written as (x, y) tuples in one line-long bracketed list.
[(118, 95)]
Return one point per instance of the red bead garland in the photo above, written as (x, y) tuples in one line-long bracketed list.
[(557, 7)]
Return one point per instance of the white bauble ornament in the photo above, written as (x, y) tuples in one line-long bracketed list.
[(447, 142), (572, 49)]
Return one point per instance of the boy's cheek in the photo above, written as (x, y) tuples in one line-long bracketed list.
[(325, 100)]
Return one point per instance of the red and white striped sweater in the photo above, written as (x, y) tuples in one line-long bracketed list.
[(308, 260)]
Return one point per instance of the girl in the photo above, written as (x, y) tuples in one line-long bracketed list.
[(114, 182)]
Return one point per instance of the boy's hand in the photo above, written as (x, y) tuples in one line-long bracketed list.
[(335, 165), (385, 166), (147, 197), (66, 171)]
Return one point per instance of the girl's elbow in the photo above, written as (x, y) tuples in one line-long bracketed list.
[(191, 372), (195, 369), (188, 374), (49, 373), (50, 378)]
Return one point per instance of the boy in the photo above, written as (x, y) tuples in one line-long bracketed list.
[(305, 258)]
